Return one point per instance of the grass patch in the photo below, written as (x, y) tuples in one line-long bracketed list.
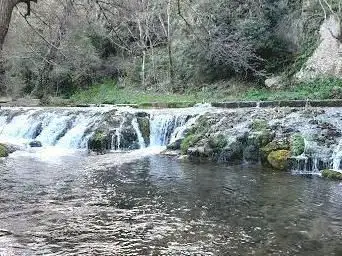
[(318, 89), (110, 93)]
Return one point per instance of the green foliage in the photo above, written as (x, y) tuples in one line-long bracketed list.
[(189, 141), (297, 144), (197, 132), (320, 89), (259, 125), (220, 40), (109, 93), (217, 142)]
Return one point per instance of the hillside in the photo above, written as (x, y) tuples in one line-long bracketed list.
[(287, 49)]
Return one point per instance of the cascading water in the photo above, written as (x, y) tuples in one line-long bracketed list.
[(116, 137), (64, 128), (72, 128), (138, 132), (167, 128), (337, 157)]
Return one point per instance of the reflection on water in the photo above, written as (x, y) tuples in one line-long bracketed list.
[(159, 206)]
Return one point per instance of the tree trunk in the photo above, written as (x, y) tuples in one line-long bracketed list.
[(169, 44), (6, 8)]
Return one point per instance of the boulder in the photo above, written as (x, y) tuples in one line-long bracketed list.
[(251, 153), (190, 141), (35, 144), (274, 82), (279, 159), (176, 145), (198, 152), (100, 142), (144, 126), (326, 60), (232, 152), (3, 151), (278, 144), (129, 138), (331, 174), (11, 147)]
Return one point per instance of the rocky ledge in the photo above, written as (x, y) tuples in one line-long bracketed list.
[(303, 139), (6, 149)]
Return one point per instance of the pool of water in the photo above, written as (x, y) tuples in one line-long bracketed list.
[(157, 205)]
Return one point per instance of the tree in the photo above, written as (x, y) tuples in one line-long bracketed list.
[(6, 9)]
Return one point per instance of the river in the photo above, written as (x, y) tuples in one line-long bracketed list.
[(147, 204)]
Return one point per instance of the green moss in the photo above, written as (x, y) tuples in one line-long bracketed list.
[(274, 146), (259, 125), (260, 134), (331, 174), (189, 141), (3, 151), (217, 142), (279, 159), (297, 144)]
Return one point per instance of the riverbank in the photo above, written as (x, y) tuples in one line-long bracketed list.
[(112, 93)]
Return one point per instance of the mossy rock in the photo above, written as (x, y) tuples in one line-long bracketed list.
[(99, 142), (274, 145), (176, 145), (279, 159), (144, 126), (3, 151), (259, 125), (232, 152), (189, 141), (331, 174), (217, 142), (260, 138), (297, 144)]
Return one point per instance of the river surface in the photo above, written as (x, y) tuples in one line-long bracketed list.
[(121, 204)]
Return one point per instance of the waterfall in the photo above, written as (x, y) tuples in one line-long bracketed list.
[(73, 127), (139, 134), (65, 128), (337, 156), (116, 137), (167, 128), (311, 161)]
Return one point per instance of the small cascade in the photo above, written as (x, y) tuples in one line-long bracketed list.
[(138, 132), (166, 128), (179, 132), (65, 128), (116, 137), (73, 138), (308, 163), (74, 128), (337, 157)]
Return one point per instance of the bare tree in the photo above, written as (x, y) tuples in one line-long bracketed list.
[(6, 9)]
